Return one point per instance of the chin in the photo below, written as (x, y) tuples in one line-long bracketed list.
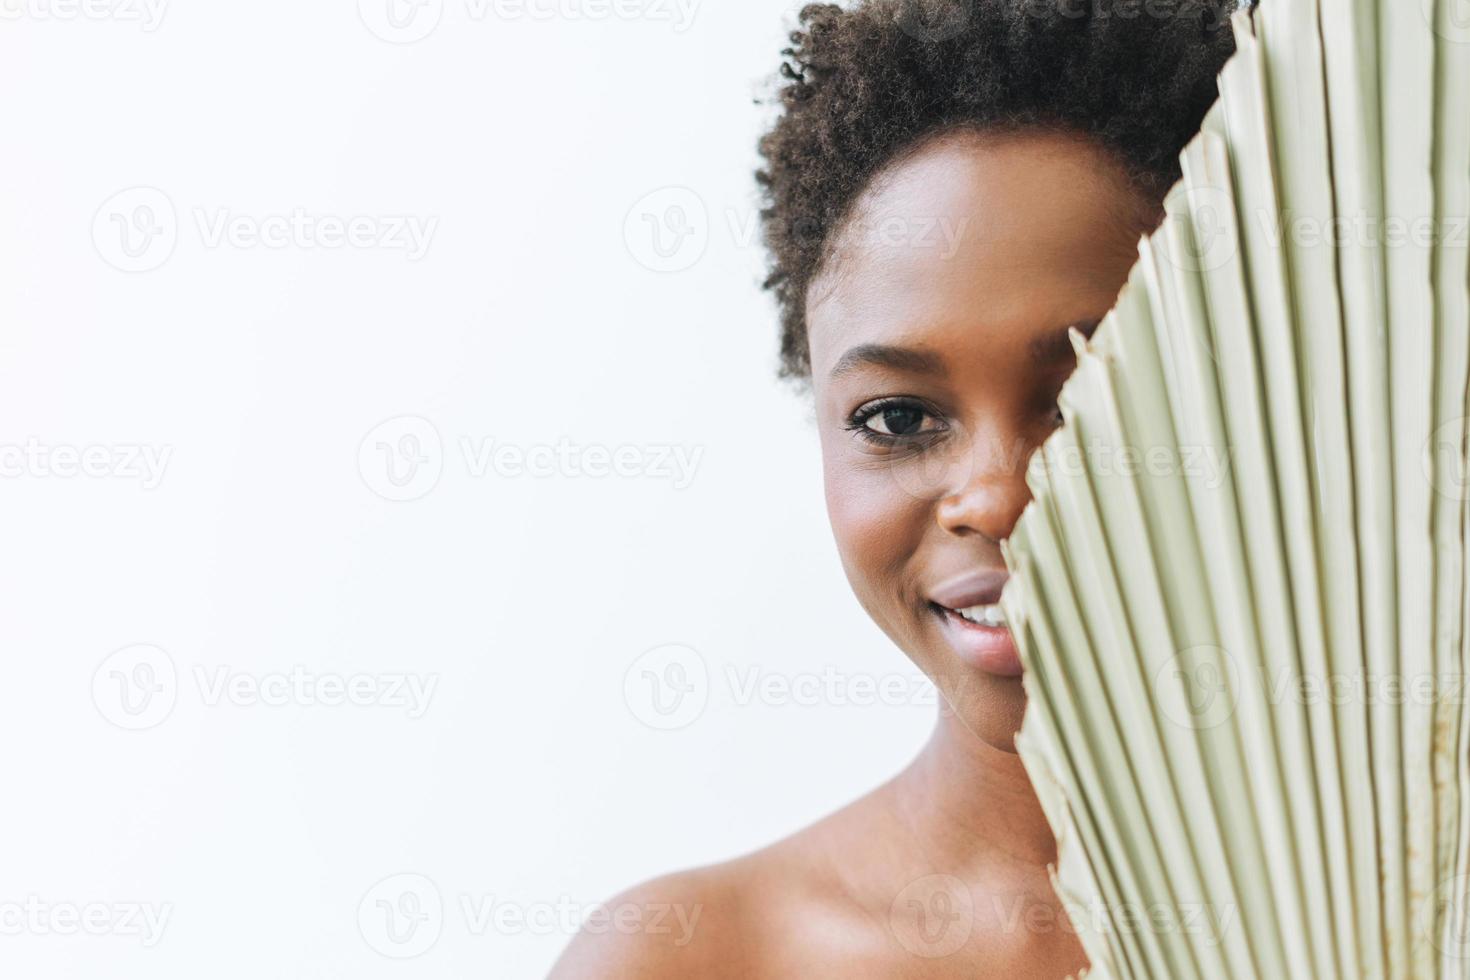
[(989, 706)]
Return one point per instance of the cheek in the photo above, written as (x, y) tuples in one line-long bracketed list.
[(878, 526)]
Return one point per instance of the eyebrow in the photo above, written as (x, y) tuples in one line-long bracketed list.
[(1048, 349), (1057, 345), (911, 359)]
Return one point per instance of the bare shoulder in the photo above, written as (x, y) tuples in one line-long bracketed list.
[(688, 924), (748, 917)]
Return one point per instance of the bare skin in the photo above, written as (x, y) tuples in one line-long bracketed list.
[(938, 345)]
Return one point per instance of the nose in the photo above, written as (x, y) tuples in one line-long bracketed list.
[(990, 498)]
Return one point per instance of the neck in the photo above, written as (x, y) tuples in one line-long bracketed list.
[(973, 803)]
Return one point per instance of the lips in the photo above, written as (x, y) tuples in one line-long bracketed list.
[(981, 588), (970, 618)]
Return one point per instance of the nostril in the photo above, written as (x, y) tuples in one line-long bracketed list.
[(988, 509)]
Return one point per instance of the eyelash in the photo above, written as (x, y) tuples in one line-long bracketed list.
[(858, 422)]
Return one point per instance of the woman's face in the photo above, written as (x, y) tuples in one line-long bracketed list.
[(939, 342)]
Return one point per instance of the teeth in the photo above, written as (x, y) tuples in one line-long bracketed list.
[(991, 615)]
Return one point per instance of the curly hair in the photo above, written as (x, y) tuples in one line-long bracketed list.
[(863, 86)]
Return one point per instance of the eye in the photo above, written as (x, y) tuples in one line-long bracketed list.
[(898, 420), (1049, 404), (892, 420)]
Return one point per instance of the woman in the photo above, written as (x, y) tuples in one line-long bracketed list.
[(950, 189)]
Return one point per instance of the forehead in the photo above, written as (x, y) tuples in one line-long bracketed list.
[(977, 240)]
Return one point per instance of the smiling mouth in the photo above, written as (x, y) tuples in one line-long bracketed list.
[(978, 634), (987, 614)]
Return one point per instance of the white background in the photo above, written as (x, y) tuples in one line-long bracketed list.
[(540, 775)]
